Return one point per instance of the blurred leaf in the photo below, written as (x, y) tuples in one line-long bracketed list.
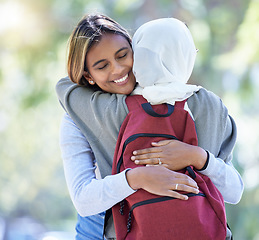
[(33, 42)]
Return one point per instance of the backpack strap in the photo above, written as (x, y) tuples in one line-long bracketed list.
[(149, 110), (138, 101)]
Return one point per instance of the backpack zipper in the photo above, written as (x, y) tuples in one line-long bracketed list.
[(154, 200), (134, 137), (129, 140)]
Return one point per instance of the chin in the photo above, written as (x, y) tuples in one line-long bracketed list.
[(129, 90), (126, 89), (127, 93)]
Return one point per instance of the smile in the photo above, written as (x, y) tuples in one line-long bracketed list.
[(121, 79)]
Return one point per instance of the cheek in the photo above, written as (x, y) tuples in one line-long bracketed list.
[(100, 77), (129, 60)]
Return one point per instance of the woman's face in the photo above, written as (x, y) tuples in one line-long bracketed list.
[(109, 63)]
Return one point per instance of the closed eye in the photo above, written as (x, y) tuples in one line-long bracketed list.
[(122, 56), (104, 66)]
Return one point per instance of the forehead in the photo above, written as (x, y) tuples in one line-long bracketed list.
[(107, 46)]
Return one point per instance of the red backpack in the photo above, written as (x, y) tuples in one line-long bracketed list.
[(145, 216)]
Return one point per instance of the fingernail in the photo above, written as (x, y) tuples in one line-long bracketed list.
[(137, 162), (185, 197), (134, 152), (132, 158)]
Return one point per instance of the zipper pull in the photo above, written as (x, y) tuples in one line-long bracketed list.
[(122, 207), (129, 222)]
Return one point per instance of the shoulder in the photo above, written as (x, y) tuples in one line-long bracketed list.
[(73, 96), (205, 102), (93, 111), (65, 85), (66, 89), (213, 124), (203, 96)]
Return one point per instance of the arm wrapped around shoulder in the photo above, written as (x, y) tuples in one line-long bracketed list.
[(217, 134), (97, 114)]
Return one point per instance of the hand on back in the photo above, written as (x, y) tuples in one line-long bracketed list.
[(172, 154), (161, 181)]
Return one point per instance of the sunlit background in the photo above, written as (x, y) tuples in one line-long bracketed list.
[(34, 201)]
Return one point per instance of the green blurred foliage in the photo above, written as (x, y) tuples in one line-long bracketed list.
[(33, 42)]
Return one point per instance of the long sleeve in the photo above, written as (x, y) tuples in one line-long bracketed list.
[(89, 194), (98, 115), (217, 133), (226, 178)]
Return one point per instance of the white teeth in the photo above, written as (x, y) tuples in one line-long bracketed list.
[(121, 80)]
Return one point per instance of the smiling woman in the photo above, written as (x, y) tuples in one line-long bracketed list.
[(89, 37), (101, 59), (109, 65)]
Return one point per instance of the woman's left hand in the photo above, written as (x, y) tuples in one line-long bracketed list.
[(172, 154)]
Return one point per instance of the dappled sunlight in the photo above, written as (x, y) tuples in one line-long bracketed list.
[(12, 21), (20, 25), (33, 48)]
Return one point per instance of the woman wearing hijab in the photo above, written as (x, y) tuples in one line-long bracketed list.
[(166, 47), (164, 57), (162, 72)]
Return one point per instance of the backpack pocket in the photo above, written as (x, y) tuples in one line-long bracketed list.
[(171, 218)]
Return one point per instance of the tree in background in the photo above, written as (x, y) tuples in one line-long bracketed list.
[(32, 58)]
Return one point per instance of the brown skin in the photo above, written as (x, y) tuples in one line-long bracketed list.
[(174, 155), (161, 181), (109, 63)]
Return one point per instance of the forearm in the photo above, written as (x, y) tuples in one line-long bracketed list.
[(100, 195), (89, 195), (217, 133), (226, 178), (223, 174)]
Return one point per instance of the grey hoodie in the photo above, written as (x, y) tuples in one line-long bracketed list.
[(99, 116)]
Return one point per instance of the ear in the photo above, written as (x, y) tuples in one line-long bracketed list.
[(88, 77)]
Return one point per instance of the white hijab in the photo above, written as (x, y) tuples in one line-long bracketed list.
[(164, 56)]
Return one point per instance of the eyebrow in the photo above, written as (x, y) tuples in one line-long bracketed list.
[(102, 60)]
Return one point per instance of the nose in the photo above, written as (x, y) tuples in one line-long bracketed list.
[(116, 68)]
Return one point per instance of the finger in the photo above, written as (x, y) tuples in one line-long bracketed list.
[(157, 165), (186, 188), (181, 176), (146, 151), (177, 195), (162, 143), (146, 156), (184, 179), (152, 161)]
